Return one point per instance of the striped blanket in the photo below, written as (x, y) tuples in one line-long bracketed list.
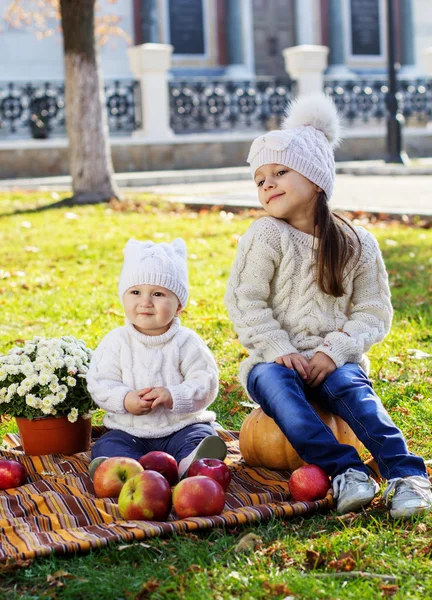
[(57, 511)]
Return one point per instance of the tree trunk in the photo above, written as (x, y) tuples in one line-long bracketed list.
[(90, 160)]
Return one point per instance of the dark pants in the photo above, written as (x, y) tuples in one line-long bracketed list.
[(179, 444), (347, 392)]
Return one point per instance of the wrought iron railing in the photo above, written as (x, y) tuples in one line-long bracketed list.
[(203, 105), (364, 100), (38, 109)]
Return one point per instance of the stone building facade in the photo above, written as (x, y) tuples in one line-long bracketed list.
[(237, 38)]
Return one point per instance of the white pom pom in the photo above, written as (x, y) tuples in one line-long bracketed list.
[(317, 110)]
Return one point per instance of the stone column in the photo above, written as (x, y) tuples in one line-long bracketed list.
[(408, 62), (306, 64), (427, 60), (337, 67), (304, 13), (239, 28), (150, 64), (149, 21)]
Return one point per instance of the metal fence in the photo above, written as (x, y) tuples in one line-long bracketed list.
[(217, 104), (38, 109), (364, 100), (206, 104)]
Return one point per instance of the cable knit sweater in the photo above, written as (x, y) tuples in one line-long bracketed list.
[(127, 360), (277, 308)]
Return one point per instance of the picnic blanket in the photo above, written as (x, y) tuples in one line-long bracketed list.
[(57, 511)]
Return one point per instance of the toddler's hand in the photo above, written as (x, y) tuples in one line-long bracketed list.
[(136, 405), (321, 366), (159, 396), (295, 361)]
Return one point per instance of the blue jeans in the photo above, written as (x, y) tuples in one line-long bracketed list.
[(179, 444), (347, 392)]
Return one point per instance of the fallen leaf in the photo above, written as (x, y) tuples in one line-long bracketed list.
[(147, 589), (314, 559), (248, 543), (389, 590), (395, 359), (343, 564), (418, 354)]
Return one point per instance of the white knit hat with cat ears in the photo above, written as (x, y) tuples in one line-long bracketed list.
[(305, 143), (163, 265)]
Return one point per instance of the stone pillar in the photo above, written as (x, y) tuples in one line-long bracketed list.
[(304, 13), (149, 22), (306, 64), (408, 62), (337, 67), (150, 64), (239, 27)]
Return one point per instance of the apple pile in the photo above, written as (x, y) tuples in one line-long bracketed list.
[(143, 486), (12, 474), (308, 483)]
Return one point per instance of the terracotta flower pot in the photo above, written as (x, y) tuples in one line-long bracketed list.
[(54, 435)]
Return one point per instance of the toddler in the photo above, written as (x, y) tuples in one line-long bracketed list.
[(154, 378)]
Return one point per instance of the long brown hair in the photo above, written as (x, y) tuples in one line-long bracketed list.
[(338, 244)]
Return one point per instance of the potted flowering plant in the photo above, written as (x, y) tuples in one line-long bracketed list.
[(43, 386)]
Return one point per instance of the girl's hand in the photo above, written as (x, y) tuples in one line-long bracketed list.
[(159, 396), (321, 366), (297, 362), (135, 405)]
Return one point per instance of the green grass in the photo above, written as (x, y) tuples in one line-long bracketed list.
[(59, 276)]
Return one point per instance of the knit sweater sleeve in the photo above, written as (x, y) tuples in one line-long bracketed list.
[(249, 288), (104, 377), (370, 313), (200, 376)]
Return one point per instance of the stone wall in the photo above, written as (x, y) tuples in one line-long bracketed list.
[(45, 158)]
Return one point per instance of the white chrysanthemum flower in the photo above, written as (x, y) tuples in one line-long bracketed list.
[(42, 352), (3, 373), (71, 382), (27, 369), (73, 415), (25, 359), (54, 387), (72, 371), (44, 378), (58, 363), (46, 410), (14, 359), (29, 348), (32, 400), (61, 396), (69, 361), (13, 369), (47, 402)]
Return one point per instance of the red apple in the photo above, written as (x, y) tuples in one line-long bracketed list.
[(112, 474), (147, 496), (12, 474), (163, 463), (308, 483), (211, 467), (198, 496)]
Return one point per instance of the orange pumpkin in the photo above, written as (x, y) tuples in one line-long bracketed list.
[(263, 444)]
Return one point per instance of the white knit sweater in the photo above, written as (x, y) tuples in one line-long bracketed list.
[(127, 360), (277, 308)]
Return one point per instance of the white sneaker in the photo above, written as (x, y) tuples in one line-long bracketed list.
[(411, 496), (353, 489), (210, 447)]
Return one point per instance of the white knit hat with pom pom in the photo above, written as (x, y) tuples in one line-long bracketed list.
[(305, 143)]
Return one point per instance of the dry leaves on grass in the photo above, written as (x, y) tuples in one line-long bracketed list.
[(14, 565), (388, 589), (147, 589)]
